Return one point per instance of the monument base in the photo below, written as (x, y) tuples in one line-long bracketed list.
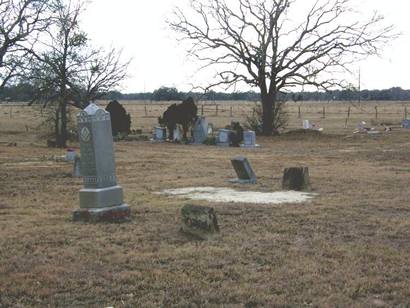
[(156, 141), (91, 198), (239, 181), (119, 213), (250, 146), (222, 144)]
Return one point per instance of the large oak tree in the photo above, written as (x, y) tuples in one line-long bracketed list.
[(265, 45)]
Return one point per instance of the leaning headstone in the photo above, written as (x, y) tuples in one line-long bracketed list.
[(101, 199), (200, 130), (243, 170), (160, 134), (77, 167), (296, 179), (223, 137), (199, 221)]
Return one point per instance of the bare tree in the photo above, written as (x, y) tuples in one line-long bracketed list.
[(69, 71), (20, 23), (258, 43)]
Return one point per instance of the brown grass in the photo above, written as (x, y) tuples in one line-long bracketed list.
[(350, 246)]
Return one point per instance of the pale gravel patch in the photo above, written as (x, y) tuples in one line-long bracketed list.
[(227, 195)]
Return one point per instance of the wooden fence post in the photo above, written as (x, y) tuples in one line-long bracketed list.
[(231, 112), (11, 112), (405, 113), (377, 112), (348, 113), (145, 108), (202, 109), (324, 112), (217, 106), (299, 113)]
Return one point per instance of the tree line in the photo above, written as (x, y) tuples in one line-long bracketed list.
[(261, 44), (24, 92)]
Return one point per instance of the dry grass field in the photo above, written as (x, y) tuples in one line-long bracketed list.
[(348, 247)]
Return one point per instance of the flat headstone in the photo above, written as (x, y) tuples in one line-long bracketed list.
[(200, 130), (243, 170), (101, 197), (296, 178), (223, 137), (199, 221)]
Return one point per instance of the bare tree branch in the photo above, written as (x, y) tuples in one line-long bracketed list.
[(257, 43)]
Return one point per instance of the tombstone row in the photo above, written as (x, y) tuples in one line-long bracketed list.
[(295, 178), (202, 129)]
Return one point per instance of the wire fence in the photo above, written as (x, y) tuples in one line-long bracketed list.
[(145, 114)]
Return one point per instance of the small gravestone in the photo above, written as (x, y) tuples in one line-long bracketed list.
[(296, 178), (210, 129), (243, 170), (101, 199), (200, 130), (70, 155), (160, 134), (223, 137), (249, 139), (306, 124), (77, 167), (405, 123), (177, 136), (199, 221)]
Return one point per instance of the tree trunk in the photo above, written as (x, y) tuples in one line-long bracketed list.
[(64, 121), (268, 102), (61, 125)]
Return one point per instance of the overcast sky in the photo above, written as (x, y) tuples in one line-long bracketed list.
[(140, 30)]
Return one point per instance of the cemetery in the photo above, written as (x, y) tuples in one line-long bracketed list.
[(352, 207), (225, 154)]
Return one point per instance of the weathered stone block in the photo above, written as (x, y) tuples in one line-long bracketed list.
[(120, 213), (296, 178), (199, 221)]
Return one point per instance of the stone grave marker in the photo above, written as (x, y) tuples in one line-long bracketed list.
[(101, 199), (306, 124), (249, 139), (296, 178), (243, 170), (160, 134), (223, 137), (405, 123), (199, 221), (177, 134), (200, 130), (77, 167)]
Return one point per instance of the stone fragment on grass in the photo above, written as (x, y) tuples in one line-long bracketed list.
[(199, 221), (296, 178)]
